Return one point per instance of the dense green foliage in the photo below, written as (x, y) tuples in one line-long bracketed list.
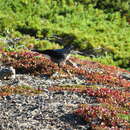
[(88, 24)]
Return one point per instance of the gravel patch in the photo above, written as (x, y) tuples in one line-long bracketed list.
[(49, 110)]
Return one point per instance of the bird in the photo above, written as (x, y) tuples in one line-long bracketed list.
[(57, 55)]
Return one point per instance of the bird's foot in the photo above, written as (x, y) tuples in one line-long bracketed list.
[(56, 74)]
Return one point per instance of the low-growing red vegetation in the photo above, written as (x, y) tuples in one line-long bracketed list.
[(29, 63), (111, 104), (110, 89), (102, 117), (94, 73)]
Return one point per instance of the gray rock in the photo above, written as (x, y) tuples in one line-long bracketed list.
[(125, 76), (7, 73)]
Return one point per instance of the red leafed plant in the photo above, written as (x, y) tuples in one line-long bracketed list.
[(111, 104), (28, 62), (94, 73), (101, 116), (113, 98)]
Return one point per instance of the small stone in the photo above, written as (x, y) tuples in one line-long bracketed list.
[(7, 73), (125, 76), (8, 97)]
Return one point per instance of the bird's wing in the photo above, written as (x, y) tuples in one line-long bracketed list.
[(39, 51), (53, 53)]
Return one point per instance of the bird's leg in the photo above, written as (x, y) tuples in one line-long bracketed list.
[(65, 69), (57, 74), (61, 69), (72, 63)]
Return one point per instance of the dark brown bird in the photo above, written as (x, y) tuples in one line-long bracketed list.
[(57, 55)]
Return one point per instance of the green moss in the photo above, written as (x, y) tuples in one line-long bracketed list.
[(125, 117), (23, 90)]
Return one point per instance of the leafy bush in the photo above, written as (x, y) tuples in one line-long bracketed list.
[(80, 22)]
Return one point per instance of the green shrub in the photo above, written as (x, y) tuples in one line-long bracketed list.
[(85, 23)]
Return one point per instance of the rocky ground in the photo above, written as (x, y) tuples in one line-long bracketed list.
[(49, 110), (46, 111)]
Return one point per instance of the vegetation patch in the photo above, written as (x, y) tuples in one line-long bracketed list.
[(112, 110), (22, 90), (29, 63), (86, 24), (93, 72), (102, 117), (106, 85), (99, 29)]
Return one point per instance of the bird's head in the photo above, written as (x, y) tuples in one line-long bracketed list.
[(69, 47)]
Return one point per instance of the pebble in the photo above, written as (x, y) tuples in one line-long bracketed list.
[(49, 110)]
